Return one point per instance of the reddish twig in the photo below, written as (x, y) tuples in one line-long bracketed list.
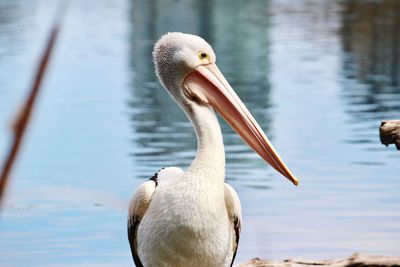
[(22, 120)]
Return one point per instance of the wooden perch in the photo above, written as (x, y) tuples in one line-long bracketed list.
[(390, 133), (22, 120), (355, 260)]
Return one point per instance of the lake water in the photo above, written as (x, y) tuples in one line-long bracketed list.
[(319, 76)]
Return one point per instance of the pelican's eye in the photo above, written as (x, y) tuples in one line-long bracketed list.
[(203, 55)]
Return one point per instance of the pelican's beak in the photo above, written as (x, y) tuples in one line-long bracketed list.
[(207, 84)]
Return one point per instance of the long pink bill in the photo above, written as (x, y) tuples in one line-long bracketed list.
[(208, 85)]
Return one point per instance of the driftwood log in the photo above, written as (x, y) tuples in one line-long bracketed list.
[(355, 260), (390, 133)]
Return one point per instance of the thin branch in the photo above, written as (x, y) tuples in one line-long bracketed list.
[(22, 120)]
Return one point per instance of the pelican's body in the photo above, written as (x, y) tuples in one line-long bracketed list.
[(188, 228), (192, 218)]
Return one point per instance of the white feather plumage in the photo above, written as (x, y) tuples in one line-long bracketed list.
[(188, 219)]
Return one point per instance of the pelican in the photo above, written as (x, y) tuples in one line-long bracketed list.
[(193, 218)]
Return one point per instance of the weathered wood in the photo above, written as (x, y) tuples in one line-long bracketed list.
[(355, 260), (390, 133)]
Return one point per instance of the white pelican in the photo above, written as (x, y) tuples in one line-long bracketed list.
[(192, 218)]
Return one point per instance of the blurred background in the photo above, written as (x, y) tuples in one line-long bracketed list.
[(319, 76)]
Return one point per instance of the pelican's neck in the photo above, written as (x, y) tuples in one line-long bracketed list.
[(210, 158)]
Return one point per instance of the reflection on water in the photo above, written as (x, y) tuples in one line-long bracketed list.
[(371, 65), (162, 131), (317, 75)]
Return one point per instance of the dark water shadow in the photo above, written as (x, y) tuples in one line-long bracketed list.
[(370, 37)]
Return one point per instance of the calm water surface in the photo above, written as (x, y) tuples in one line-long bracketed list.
[(319, 76)]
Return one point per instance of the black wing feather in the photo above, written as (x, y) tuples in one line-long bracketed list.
[(237, 227), (133, 225)]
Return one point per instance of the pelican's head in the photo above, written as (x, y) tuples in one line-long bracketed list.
[(176, 55), (185, 65)]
